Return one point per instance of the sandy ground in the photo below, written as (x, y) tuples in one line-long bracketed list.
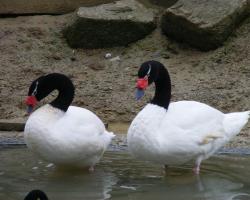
[(31, 46)]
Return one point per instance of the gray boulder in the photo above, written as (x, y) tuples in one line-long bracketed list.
[(109, 25), (11, 126), (44, 6), (248, 2), (163, 3), (201, 23)]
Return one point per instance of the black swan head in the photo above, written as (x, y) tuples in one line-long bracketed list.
[(154, 72), (44, 85)]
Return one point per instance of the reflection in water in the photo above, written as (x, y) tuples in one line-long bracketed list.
[(120, 177), (22, 172), (96, 185), (181, 183), (204, 186)]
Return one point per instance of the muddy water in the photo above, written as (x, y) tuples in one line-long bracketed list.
[(120, 177)]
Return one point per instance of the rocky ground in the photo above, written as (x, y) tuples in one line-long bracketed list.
[(34, 45)]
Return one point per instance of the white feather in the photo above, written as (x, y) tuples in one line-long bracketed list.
[(188, 130), (76, 137)]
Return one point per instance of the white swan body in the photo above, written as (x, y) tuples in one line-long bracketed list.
[(187, 131), (175, 133), (76, 137)]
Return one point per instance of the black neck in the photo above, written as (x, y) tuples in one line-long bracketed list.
[(162, 88), (65, 88)]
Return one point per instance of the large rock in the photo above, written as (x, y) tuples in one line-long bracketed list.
[(109, 25), (201, 23), (163, 3), (248, 2), (44, 6), (11, 125)]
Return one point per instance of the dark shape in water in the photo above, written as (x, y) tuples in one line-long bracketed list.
[(35, 195)]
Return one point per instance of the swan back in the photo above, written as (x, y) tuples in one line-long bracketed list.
[(77, 136)]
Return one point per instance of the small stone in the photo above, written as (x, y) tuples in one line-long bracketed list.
[(108, 55)]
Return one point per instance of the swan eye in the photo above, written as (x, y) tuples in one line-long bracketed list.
[(148, 73), (35, 90)]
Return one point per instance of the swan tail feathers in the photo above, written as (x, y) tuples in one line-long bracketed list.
[(108, 136), (234, 122)]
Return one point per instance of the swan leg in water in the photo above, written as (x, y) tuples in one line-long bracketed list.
[(91, 169), (165, 169), (196, 169)]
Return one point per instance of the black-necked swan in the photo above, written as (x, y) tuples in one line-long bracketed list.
[(62, 134), (178, 132), (36, 195)]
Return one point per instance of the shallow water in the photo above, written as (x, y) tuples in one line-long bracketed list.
[(119, 177)]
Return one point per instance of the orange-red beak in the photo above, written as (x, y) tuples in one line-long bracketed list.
[(141, 85), (31, 102)]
